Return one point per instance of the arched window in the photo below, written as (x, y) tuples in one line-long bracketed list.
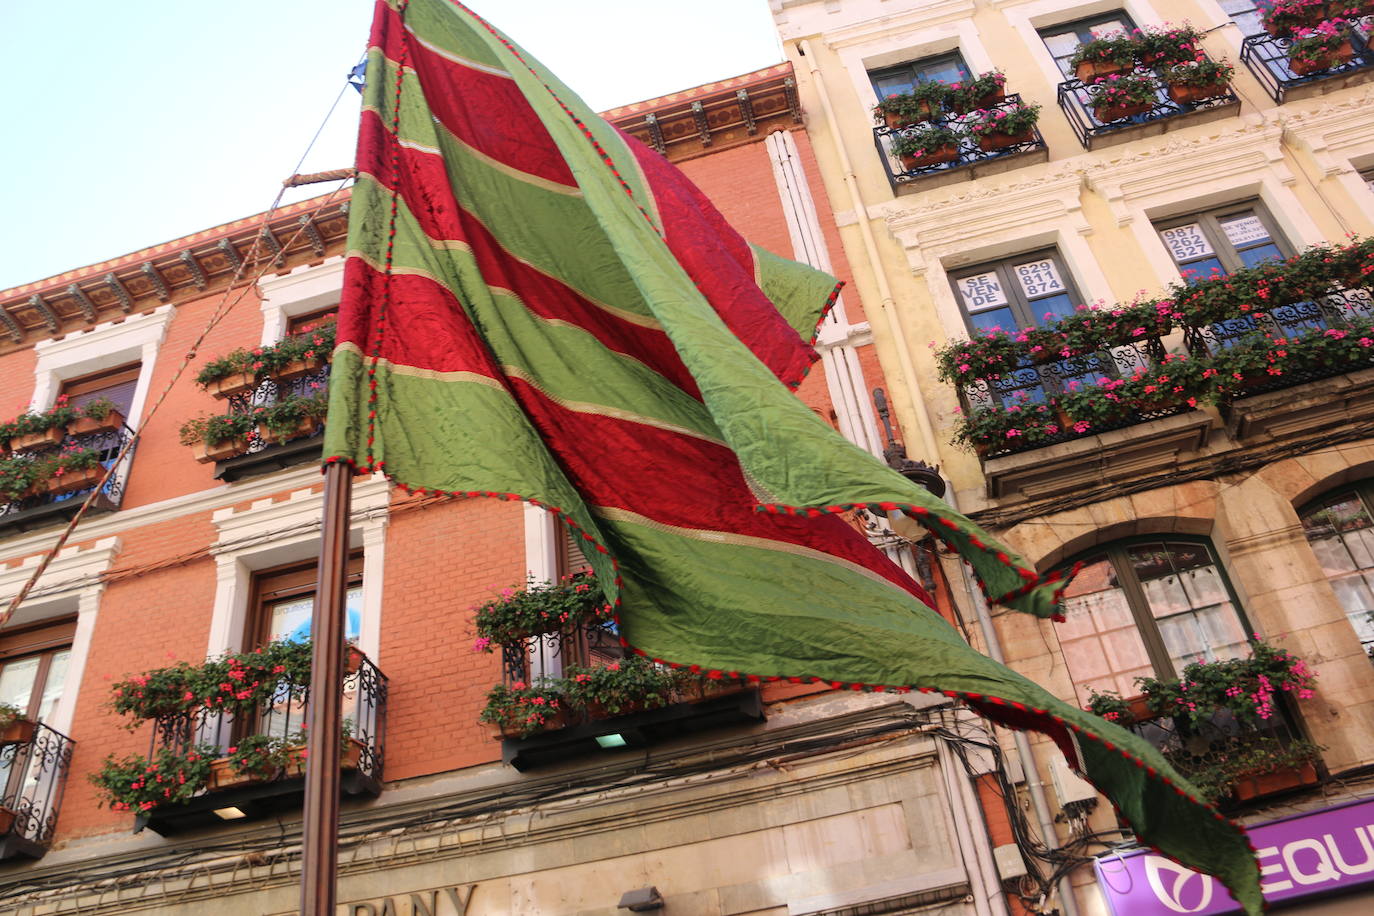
[(1146, 608), (1340, 528)]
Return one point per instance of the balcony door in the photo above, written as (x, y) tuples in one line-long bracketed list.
[(1063, 40), (33, 672)]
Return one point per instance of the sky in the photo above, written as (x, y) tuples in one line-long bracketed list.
[(132, 123)]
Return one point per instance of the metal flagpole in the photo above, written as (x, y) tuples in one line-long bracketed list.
[(320, 828)]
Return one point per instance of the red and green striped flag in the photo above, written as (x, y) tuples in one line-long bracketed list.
[(538, 307)]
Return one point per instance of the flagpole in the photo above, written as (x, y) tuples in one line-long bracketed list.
[(320, 827)]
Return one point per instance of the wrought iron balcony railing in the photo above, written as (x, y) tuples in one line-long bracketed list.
[(262, 454), (33, 775), (1267, 58), (59, 498), (1079, 102), (969, 152)]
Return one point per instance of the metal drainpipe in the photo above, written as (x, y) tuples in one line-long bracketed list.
[(870, 246)]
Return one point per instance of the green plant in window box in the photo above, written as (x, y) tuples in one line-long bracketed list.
[(1109, 705), (1321, 48), (1014, 122), (300, 353), (1217, 769), (292, 417), (1163, 47), (1104, 56), (1194, 81), (540, 607), (997, 429), (18, 477), (982, 91), (1121, 96), (140, 784), (521, 710), (923, 102), (15, 725), (234, 363), (925, 144), (267, 756), (1283, 17), (620, 687), (218, 436), (1245, 687)]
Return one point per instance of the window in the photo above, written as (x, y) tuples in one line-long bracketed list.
[(1015, 292), (1368, 176), (1063, 40), (284, 600), (33, 669), (299, 324), (1245, 14), (1340, 529), (944, 68), (1221, 241), (1146, 609), (117, 385)]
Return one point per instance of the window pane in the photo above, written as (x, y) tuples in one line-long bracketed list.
[(1253, 256), (1341, 533), (52, 688), (892, 84), (16, 682), (942, 70), (1052, 308), (1201, 270), (1189, 601), (290, 619), (1102, 647)]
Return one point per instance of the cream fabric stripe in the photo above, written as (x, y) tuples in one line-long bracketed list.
[(625, 516), (460, 375), (601, 410)]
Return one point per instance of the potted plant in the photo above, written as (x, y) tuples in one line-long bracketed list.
[(75, 468), (1317, 49), (234, 373), (15, 725), (1109, 705), (258, 758), (693, 686), (1165, 47), (20, 478), (521, 710), (140, 784), (41, 430), (1192, 81), (1267, 766), (1103, 57), (982, 91), (922, 102), (301, 354), (620, 687), (997, 429), (219, 436), (98, 415), (540, 607), (291, 417), (1117, 97), (1283, 17), (1002, 127), (926, 145)]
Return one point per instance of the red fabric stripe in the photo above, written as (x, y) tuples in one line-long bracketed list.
[(425, 187), (721, 264), (517, 138), (680, 480)]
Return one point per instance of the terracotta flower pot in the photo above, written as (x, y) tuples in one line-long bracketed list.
[(224, 776), (995, 97), (924, 111), (306, 427), (1189, 95), (1186, 53), (221, 451), (353, 659), (1140, 708), (1091, 70), (44, 439), (512, 729), (998, 140), (947, 153), (20, 731), (6, 821), (1256, 785), (85, 426), (1108, 113), (595, 710), (72, 481), (231, 385), (297, 368), (1336, 58)]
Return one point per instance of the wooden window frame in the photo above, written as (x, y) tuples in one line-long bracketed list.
[(291, 580), (1079, 26), (44, 639), (1017, 301), (296, 323), (909, 68), (1210, 222), (1363, 490), (95, 383)]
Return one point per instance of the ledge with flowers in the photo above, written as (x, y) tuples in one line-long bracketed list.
[(230, 733), (1228, 725), (567, 689), (1205, 343), (1121, 79), (275, 394), (938, 126), (1309, 40)]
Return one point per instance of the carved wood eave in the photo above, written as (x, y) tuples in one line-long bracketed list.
[(716, 116), (176, 271)]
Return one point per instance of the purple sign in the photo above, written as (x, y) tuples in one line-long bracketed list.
[(1319, 852)]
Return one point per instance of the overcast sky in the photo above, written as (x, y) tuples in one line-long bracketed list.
[(131, 123)]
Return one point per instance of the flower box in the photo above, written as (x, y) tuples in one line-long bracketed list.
[(990, 100), (1108, 113), (924, 111), (1089, 71), (306, 426), (298, 368), (947, 153), (508, 728), (19, 731), (1257, 785), (71, 481), (1308, 66), (224, 776), (233, 384), (45, 439), (1191, 95), (208, 452), (86, 426), (353, 659), (998, 140)]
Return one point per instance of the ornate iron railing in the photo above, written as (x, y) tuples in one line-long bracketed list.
[(546, 654), (32, 778), (970, 153), (1267, 58), (271, 391), (108, 443), (284, 715), (1077, 100)]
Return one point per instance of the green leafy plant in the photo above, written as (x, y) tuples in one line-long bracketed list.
[(1109, 705), (1168, 46), (232, 363), (267, 756), (216, 428), (9, 714), (1246, 687), (620, 687), (1125, 89), (137, 783), (313, 344), (1012, 428), (1315, 49), (1116, 48), (924, 140), (1215, 770), (1203, 72), (17, 476), (236, 682), (526, 709), (99, 408), (1015, 120), (922, 102), (55, 417), (283, 419), (1282, 17), (540, 607), (966, 96)]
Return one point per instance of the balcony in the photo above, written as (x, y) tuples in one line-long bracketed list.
[(33, 773), (55, 498), (261, 453), (1097, 373), (1267, 57), (240, 758), (1078, 102), (969, 159)]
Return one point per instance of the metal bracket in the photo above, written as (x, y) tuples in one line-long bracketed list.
[(655, 133), (231, 253), (16, 333), (789, 91), (278, 256)]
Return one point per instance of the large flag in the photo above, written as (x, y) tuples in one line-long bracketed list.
[(538, 307)]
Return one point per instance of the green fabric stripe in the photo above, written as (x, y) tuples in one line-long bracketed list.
[(440, 28), (799, 292)]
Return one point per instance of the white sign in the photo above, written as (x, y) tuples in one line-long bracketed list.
[(1244, 229), (1186, 242), (982, 291), (1039, 278)]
